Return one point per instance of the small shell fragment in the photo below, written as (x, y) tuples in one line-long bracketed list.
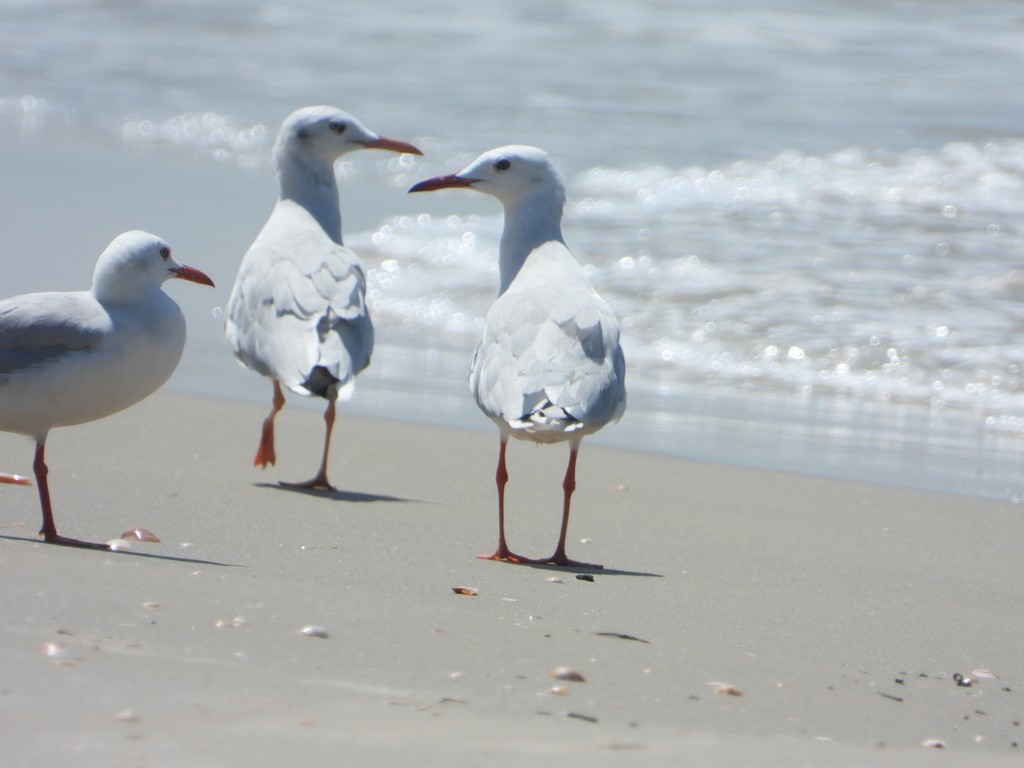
[(728, 690), (566, 673), (962, 681), (238, 621), (313, 631), (984, 674), (465, 591), (620, 487), (934, 743), (54, 650), (559, 690), (126, 716), (554, 580), (140, 534), (118, 545)]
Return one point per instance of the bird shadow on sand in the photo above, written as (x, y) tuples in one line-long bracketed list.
[(583, 573), (353, 496), (133, 553)]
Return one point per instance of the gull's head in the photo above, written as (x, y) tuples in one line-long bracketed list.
[(327, 133), (135, 263), (511, 174)]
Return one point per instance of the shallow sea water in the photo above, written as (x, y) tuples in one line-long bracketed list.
[(809, 219)]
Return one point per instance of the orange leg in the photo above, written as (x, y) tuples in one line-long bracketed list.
[(503, 552), (49, 529), (568, 486), (265, 454), (320, 482)]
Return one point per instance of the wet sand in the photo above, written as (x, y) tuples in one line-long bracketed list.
[(839, 611)]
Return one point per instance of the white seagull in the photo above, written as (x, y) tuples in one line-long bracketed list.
[(70, 358), (548, 367), (297, 313)]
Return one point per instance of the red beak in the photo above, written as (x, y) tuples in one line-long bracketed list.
[(443, 182), (394, 145), (193, 276)]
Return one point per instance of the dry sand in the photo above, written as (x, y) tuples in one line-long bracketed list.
[(839, 611)]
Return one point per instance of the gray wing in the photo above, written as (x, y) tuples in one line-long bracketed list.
[(40, 328), (298, 310), (550, 360)]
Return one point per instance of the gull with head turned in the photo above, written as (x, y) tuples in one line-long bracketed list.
[(548, 367), (71, 358), (297, 313)]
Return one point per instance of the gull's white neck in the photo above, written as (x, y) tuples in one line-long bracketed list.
[(529, 223), (309, 181)]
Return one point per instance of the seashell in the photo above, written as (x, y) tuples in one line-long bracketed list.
[(118, 545), (126, 716), (558, 690), (54, 650), (620, 487), (554, 580), (140, 534), (728, 690), (465, 591), (566, 673), (984, 674), (313, 631), (934, 743)]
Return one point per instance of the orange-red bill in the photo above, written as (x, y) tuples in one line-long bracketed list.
[(193, 276), (394, 145), (442, 182)]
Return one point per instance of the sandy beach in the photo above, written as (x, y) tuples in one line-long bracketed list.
[(841, 612)]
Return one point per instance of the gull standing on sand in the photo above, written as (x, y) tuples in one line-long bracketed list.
[(70, 358), (297, 313), (548, 367)]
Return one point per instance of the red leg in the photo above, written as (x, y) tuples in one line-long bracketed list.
[(568, 486), (503, 552), (15, 479), (320, 482), (265, 454), (49, 529)]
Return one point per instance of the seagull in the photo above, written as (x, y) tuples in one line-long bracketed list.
[(548, 367), (297, 313), (70, 358)]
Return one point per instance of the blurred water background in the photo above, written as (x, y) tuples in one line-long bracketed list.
[(809, 217)]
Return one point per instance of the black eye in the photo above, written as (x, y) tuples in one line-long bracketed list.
[(165, 252), (337, 126), (503, 165)]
